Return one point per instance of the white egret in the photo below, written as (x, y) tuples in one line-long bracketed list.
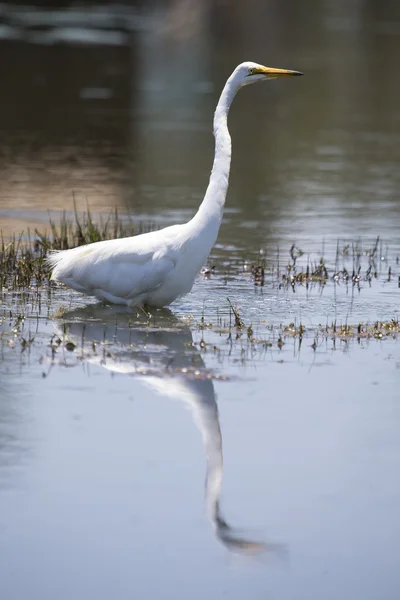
[(156, 268)]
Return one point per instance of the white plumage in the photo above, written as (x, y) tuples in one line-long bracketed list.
[(156, 268), (153, 268)]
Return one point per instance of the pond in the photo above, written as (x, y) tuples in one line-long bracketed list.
[(244, 441)]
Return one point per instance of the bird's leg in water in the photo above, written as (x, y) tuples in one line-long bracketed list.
[(145, 310)]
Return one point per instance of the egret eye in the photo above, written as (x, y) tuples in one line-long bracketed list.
[(252, 71)]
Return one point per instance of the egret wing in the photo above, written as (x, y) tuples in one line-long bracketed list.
[(119, 271)]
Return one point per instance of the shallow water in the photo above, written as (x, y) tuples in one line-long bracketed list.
[(174, 453)]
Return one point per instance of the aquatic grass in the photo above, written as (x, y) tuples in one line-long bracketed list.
[(27, 293), (377, 330), (23, 265), (83, 229), (358, 266), (239, 324), (21, 333), (275, 335), (22, 258), (28, 302)]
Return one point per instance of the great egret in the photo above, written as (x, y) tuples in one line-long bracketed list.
[(156, 268)]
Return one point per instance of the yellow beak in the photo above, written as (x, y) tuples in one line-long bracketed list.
[(271, 72)]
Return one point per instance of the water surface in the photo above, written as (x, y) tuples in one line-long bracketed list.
[(144, 456)]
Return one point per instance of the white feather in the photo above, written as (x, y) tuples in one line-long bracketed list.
[(156, 268)]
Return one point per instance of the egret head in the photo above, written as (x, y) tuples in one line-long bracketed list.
[(250, 72)]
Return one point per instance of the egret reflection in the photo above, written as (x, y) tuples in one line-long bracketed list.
[(159, 347)]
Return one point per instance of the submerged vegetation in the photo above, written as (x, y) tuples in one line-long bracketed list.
[(160, 344), (23, 265), (34, 316), (132, 346), (353, 265)]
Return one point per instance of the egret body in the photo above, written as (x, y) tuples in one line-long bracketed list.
[(156, 268)]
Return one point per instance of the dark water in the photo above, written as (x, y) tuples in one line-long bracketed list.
[(115, 429)]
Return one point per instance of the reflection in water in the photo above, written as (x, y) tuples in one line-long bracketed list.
[(161, 350), (114, 104), (13, 447)]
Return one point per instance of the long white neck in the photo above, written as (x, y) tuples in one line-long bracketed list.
[(209, 216)]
